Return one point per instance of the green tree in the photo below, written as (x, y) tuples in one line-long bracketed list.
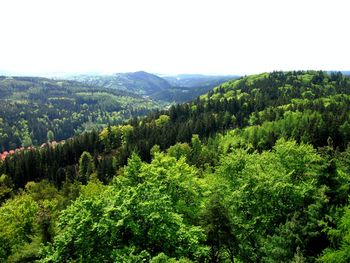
[(86, 166), (162, 120), (26, 141), (50, 136), (339, 252), (220, 236), (274, 201), (179, 150), (196, 149), (134, 219), (6, 187), (17, 224)]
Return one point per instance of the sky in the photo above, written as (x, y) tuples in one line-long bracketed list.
[(41, 37)]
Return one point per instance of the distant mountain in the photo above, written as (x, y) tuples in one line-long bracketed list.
[(197, 80), (186, 87), (32, 106), (139, 82), (178, 88)]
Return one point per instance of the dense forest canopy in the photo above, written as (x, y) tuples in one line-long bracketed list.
[(256, 170), (36, 110), (30, 108)]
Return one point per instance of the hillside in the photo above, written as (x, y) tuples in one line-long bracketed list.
[(30, 107), (187, 87), (197, 80), (179, 88), (139, 82), (256, 170)]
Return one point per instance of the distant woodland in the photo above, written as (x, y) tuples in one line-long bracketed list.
[(33, 108), (36, 110)]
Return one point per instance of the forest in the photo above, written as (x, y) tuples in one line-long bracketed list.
[(165, 88), (36, 110), (256, 170)]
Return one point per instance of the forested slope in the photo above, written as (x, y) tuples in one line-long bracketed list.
[(186, 87), (140, 82), (31, 106), (181, 88), (255, 171)]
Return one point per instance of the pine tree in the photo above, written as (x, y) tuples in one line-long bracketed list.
[(86, 166)]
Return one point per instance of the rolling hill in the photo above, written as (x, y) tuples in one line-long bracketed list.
[(32, 106), (139, 82), (179, 88), (197, 80)]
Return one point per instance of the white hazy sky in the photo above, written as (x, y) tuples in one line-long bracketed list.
[(178, 36)]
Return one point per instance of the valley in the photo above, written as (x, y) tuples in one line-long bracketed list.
[(31, 107)]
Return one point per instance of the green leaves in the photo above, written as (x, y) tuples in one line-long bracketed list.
[(273, 200), (148, 210), (339, 252), (17, 220)]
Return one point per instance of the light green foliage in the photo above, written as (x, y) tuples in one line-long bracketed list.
[(126, 132), (178, 180), (132, 171), (155, 150), (298, 160), (27, 252), (150, 209), (50, 136), (179, 150), (268, 196), (27, 221), (17, 222), (26, 141), (162, 120), (42, 191), (162, 258), (297, 125)]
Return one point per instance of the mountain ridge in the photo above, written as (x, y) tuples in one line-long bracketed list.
[(158, 87)]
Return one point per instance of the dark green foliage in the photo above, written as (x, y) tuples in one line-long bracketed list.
[(220, 233), (55, 163), (86, 167), (5, 187), (339, 252)]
